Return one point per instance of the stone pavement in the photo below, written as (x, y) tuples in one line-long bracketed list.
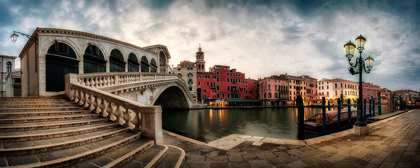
[(391, 144)]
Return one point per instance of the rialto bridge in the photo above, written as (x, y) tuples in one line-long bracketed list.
[(139, 74)]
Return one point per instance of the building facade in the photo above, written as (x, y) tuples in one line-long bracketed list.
[(332, 89), (273, 90), (370, 90), (9, 77), (187, 70), (51, 53), (222, 83)]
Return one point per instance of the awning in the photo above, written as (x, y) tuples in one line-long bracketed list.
[(242, 101)]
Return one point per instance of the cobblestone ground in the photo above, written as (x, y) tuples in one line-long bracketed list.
[(392, 144)]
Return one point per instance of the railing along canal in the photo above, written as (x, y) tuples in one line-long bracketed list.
[(147, 120)]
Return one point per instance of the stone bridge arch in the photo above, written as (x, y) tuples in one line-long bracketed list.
[(173, 95)]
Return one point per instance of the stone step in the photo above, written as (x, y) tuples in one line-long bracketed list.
[(11, 120), (75, 155), (174, 157), (6, 103), (54, 133), (118, 157), (64, 104), (38, 146), (42, 113), (40, 109), (12, 103), (50, 125), (147, 158)]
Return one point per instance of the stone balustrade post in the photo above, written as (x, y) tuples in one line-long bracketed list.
[(117, 80), (69, 78), (151, 124)]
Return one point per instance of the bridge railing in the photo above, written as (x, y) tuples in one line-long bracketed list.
[(145, 119), (99, 80)]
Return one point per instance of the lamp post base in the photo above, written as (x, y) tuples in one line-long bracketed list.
[(364, 130)]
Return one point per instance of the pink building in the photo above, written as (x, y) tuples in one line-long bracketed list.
[(273, 90)]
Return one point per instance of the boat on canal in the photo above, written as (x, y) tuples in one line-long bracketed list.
[(314, 124)]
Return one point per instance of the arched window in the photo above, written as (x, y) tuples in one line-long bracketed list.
[(190, 84), (153, 66), (190, 75), (144, 64), (133, 63), (269, 95), (275, 95), (116, 61), (60, 60), (93, 60), (9, 67), (162, 62)]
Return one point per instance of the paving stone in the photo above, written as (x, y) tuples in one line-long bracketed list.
[(258, 163), (377, 161), (195, 158), (219, 165), (393, 159), (217, 159), (402, 165), (235, 158), (21, 160), (248, 157), (265, 156), (239, 165), (196, 164), (85, 165), (371, 166), (406, 158), (388, 165), (3, 162), (44, 157)]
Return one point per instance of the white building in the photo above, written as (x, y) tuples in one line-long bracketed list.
[(9, 76), (331, 89), (51, 53), (187, 70)]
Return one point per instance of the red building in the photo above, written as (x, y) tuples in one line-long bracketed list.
[(224, 85)]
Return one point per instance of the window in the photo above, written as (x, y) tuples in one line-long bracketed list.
[(190, 75), (199, 83), (269, 87), (227, 79), (328, 87), (9, 67), (217, 79)]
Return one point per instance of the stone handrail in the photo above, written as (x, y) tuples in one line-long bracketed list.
[(99, 80), (145, 119)]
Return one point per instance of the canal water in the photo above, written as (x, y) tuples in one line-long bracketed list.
[(210, 124)]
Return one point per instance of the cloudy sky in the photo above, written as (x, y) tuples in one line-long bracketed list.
[(257, 37)]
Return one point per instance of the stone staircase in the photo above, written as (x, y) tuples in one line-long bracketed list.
[(54, 132)]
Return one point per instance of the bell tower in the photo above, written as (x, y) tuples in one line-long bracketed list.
[(199, 60)]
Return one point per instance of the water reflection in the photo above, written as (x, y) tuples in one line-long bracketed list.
[(209, 124)]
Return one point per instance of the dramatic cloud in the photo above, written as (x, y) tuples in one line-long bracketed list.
[(259, 38)]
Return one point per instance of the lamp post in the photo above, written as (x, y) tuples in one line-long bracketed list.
[(363, 65)]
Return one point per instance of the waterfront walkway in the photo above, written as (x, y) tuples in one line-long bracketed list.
[(394, 143)]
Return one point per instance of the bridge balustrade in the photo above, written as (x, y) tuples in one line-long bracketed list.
[(145, 119), (99, 80)]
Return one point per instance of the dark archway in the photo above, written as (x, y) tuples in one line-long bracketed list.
[(162, 62), (172, 97), (133, 63), (60, 60), (153, 67), (199, 94), (93, 60), (116, 61), (144, 64)]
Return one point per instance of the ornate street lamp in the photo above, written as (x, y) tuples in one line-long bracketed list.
[(362, 64), (15, 36)]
